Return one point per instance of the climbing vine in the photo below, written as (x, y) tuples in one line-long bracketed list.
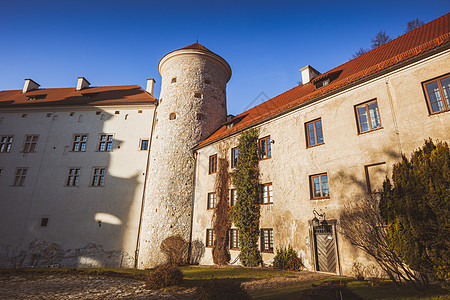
[(221, 218), (247, 209)]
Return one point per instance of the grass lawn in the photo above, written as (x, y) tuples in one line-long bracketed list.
[(327, 288)]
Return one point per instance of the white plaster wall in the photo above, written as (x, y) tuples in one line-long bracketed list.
[(74, 212), (405, 124)]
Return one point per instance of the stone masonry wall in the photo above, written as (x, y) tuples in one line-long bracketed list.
[(193, 87)]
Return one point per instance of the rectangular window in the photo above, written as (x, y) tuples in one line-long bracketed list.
[(79, 142), (211, 200), (267, 194), (234, 156), (267, 240), (319, 186), (44, 222), (213, 164), (233, 197), (314, 134), (19, 176), (73, 177), (98, 177), (367, 116), (209, 237), (438, 94), (30, 143), (234, 239), (106, 143), (264, 148), (144, 145), (5, 144)]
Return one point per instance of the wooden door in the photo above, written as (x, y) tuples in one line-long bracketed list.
[(326, 260)]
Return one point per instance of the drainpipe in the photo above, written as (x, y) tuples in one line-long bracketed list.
[(136, 253), (195, 154)]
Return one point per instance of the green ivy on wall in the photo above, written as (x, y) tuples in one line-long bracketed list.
[(246, 212)]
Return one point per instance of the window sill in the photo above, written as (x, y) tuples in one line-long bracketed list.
[(267, 251), (265, 158), (208, 209), (320, 198), (212, 173), (439, 112), (270, 203), (315, 145), (234, 249), (368, 131)]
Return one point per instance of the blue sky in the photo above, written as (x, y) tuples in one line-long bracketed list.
[(121, 42)]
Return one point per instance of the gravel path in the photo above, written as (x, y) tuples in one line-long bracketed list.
[(76, 286)]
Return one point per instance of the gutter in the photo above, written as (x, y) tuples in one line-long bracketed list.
[(136, 252), (338, 90)]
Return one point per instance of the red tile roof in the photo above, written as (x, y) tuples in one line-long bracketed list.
[(196, 46), (102, 95), (418, 41)]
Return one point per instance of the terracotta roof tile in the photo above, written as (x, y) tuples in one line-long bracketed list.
[(103, 95), (196, 46), (420, 40)]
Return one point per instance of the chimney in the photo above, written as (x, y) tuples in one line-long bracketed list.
[(82, 83), (150, 85), (308, 73), (30, 85)]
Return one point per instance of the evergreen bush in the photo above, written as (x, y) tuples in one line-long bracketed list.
[(287, 259)]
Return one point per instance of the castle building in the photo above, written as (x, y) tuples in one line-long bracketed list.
[(100, 176)]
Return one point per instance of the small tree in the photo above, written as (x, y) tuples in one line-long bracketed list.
[(416, 208), (413, 24), (247, 211), (360, 51), (361, 223), (380, 38)]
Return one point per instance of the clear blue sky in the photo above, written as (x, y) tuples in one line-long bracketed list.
[(121, 42)]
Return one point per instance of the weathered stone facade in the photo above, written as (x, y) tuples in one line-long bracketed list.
[(192, 105)]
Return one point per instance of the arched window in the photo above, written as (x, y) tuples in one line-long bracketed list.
[(172, 116), (200, 117), (197, 95)]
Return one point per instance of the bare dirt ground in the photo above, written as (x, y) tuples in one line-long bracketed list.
[(83, 286)]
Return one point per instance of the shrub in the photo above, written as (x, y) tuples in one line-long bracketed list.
[(218, 289), (164, 276), (175, 249), (287, 259)]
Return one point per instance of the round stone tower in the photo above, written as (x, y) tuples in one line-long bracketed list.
[(192, 106)]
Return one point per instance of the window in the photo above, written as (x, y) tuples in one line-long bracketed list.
[(209, 237), (98, 177), (30, 143), (267, 240), (319, 186), (213, 164), (234, 156), (234, 239), (5, 143), (144, 145), (207, 81), (368, 116), (200, 117), (44, 222), (438, 94), (79, 142), (267, 195), (1, 172), (36, 97), (264, 148), (19, 177), (106, 143), (233, 197), (73, 177), (314, 134), (197, 95), (211, 200), (172, 116), (174, 80)]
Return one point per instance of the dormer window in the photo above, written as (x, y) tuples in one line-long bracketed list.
[(325, 79), (89, 95), (36, 97), (229, 125)]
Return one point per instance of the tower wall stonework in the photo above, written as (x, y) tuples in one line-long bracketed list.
[(194, 89)]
